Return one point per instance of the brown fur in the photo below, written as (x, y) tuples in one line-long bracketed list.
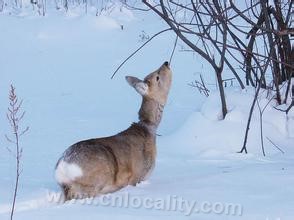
[(110, 163)]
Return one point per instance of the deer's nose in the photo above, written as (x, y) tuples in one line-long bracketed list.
[(166, 63)]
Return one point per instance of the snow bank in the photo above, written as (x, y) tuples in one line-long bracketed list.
[(205, 134)]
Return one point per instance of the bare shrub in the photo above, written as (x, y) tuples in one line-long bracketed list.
[(15, 115)]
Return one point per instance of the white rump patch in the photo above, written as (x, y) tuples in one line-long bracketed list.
[(141, 88), (67, 172)]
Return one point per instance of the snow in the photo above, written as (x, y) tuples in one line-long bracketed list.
[(61, 66), (104, 22)]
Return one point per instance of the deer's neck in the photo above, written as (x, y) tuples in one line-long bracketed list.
[(150, 114)]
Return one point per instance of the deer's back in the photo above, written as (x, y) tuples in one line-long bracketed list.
[(116, 161)]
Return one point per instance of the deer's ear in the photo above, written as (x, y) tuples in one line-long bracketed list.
[(138, 85)]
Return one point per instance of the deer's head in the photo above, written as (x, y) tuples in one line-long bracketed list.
[(155, 86)]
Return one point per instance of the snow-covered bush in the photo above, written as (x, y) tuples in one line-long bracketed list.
[(41, 7)]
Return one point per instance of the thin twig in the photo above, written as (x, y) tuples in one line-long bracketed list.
[(261, 126), (275, 145), (175, 45), (132, 54), (290, 106), (200, 86)]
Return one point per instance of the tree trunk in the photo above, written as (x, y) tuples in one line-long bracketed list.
[(221, 92)]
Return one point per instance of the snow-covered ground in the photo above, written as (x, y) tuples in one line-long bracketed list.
[(61, 66)]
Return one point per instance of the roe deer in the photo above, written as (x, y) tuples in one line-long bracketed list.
[(104, 165)]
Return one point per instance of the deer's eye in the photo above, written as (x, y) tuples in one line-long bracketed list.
[(157, 78)]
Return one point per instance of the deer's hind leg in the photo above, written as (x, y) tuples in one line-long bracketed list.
[(80, 191)]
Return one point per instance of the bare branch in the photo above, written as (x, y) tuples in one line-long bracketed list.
[(275, 145), (132, 54), (174, 48), (14, 117)]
